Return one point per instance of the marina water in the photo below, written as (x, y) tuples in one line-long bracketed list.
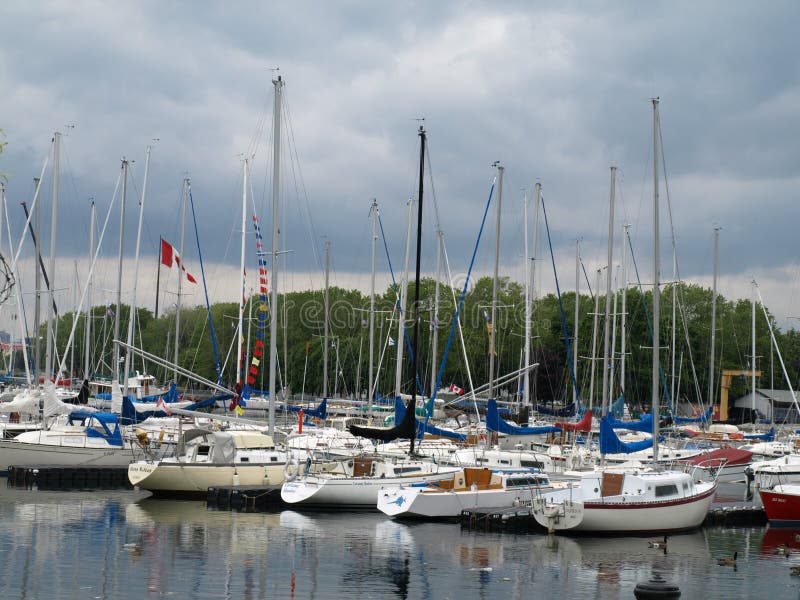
[(122, 544)]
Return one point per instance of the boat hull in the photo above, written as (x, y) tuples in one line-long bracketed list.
[(192, 478), (350, 491), (24, 454), (782, 508)]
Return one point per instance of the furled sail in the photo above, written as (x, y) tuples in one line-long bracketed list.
[(611, 444), (495, 423)]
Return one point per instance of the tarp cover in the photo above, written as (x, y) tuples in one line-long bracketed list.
[(611, 444)]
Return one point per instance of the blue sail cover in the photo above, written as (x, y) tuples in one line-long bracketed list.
[(135, 411), (495, 423), (109, 423), (422, 428), (704, 418), (766, 437), (321, 412), (611, 444), (645, 423)]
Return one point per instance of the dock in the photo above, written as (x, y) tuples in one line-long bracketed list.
[(59, 477)]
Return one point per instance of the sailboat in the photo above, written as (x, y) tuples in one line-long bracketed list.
[(639, 500)]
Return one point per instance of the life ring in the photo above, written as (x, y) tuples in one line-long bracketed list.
[(291, 469)]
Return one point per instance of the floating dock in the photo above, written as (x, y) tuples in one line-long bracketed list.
[(58, 477)]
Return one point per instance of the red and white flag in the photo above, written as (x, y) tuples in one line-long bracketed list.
[(170, 256), (456, 389)]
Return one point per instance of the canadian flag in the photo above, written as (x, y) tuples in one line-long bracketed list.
[(456, 389), (170, 256)]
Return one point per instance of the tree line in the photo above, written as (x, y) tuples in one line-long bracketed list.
[(300, 342)]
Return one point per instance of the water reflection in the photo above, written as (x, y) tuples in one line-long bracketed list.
[(122, 546)]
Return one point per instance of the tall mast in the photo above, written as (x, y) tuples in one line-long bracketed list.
[(415, 344), (87, 369), (656, 288), (373, 211), (594, 337), (132, 313), (117, 315), (401, 325), (240, 337), (435, 318), (184, 202), (606, 322), (538, 199), (48, 369), (37, 314), (613, 351), (527, 344), (753, 342), (493, 332), (713, 319), (273, 312), (624, 313), (325, 322), (577, 317)]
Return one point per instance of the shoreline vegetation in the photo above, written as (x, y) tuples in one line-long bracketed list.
[(300, 338)]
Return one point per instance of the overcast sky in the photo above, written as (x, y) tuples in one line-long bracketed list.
[(558, 92)]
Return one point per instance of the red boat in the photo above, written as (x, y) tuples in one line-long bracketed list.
[(782, 504)]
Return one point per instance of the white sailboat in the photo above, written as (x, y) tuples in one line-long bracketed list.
[(633, 500)]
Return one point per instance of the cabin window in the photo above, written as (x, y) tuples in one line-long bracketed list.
[(203, 450), (666, 490), (482, 460), (505, 462), (400, 470), (273, 459), (245, 459), (532, 463)]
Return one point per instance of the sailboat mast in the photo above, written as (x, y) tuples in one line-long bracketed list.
[(132, 313), (713, 319), (240, 337), (534, 245), (117, 315), (374, 215), (656, 288), (577, 317), (596, 318), (273, 312), (607, 322), (37, 314), (415, 343), (624, 313), (493, 331), (48, 370), (87, 369), (184, 202), (526, 351), (401, 318), (435, 318), (325, 321), (753, 342)]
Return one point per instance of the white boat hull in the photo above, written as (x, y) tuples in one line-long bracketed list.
[(196, 478), (350, 491), (25, 454)]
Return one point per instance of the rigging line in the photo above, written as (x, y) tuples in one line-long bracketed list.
[(650, 327), (205, 290), (561, 306), (586, 278), (62, 364), (304, 196), (461, 305), (397, 299)]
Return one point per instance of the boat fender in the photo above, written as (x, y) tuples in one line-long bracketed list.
[(291, 469)]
